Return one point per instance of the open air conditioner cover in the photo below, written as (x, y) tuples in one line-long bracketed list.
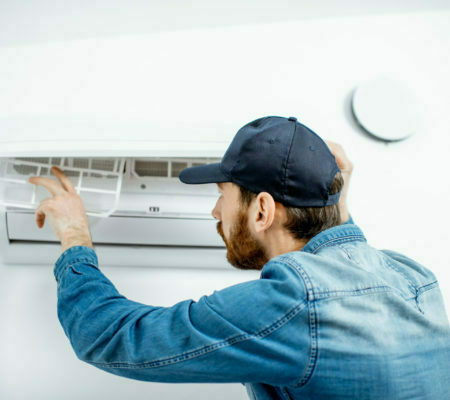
[(85, 135)]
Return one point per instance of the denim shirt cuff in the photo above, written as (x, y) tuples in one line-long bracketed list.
[(72, 255)]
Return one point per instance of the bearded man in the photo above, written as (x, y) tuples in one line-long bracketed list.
[(331, 317)]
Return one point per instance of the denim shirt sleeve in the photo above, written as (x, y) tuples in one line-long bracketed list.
[(243, 333)]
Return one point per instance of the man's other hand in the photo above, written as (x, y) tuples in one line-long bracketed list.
[(346, 167)]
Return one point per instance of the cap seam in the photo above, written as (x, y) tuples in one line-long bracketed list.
[(287, 161)]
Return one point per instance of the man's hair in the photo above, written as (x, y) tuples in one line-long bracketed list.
[(306, 222)]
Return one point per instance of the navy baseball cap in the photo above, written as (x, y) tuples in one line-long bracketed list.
[(277, 155)]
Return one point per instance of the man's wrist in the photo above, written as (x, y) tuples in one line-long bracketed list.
[(75, 238)]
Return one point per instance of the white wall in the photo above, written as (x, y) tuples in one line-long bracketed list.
[(38, 362), (398, 196), (46, 20)]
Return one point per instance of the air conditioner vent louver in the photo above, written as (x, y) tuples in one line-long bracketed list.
[(162, 168), (177, 167), (151, 168)]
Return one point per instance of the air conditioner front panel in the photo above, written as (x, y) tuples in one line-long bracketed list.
[(151, 231)]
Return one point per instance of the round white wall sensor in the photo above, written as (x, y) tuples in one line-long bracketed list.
[(386, 108)]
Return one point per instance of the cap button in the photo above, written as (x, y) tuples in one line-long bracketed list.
[(292, 119)]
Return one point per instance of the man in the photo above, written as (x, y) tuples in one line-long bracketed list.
[(330, 317)]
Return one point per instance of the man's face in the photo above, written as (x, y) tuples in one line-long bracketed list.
[(243, 250)]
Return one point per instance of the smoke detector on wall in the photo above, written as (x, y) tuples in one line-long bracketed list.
[(387, 109)]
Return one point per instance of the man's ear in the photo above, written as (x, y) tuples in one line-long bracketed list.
[(262, 212)]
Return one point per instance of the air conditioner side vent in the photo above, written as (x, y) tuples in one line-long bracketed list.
[(164, 168)]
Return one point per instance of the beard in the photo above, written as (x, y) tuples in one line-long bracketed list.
[(243, 250)]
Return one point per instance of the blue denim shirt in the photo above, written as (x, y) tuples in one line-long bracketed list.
[(338, 319)]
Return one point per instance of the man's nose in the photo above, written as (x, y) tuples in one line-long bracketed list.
[(215, 213)]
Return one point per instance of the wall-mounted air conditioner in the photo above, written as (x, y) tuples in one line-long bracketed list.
[(139, 212)]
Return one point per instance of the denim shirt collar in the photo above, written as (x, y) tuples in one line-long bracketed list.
[(333, 236)]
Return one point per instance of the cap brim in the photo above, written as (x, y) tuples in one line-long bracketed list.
[(209, 173)]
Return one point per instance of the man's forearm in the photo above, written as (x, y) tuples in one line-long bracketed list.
[(76, 238)]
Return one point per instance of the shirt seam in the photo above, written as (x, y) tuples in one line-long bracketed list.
[(428, 286), (323, 295), (313, 323), (360, 291), (59, 269), (391, 265), (336, 241), (185, 356)]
